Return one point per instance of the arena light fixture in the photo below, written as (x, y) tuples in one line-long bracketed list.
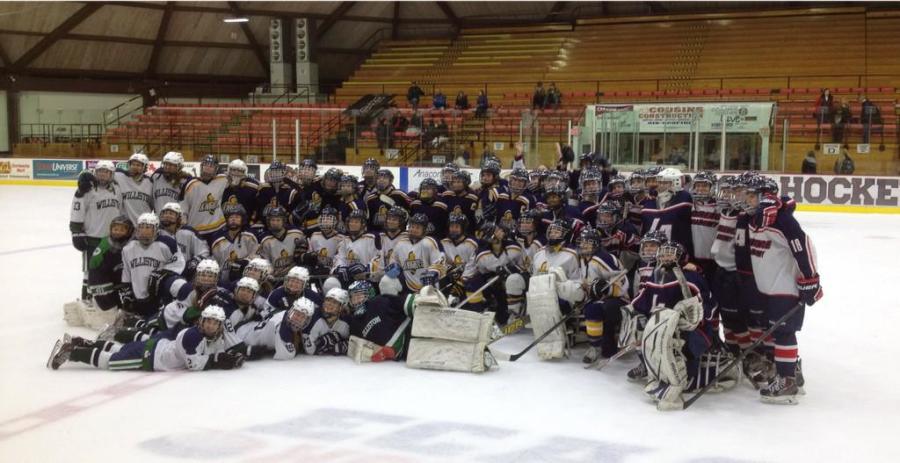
[(236, 20)]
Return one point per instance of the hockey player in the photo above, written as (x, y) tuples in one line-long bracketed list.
[(242, 189), (281, 244), (429, 204), (670, 211), (725, 286), (296, 285), (350, 198), (275, 192), (260, 270), (370, 170), (513, 203), (557, 198), (685, 292), (418, 255), (386, 197), (784, 265), (357, 253), (461, 199), (324, 243), (149, 251), (528, 237), (536, 184), (618, 237), (704, 220), (329, 335), (383, 320), (105, 265), (95, 204), (557, 252), (489, 191), (497, 255), (280, 335), (202, 347), (234, 246), (135, 188), (169, 181), (203, 200), (189, 242), (459, 250), (590, 196), (607, 293), (637, 193), (447, 177), (394, 231), (643, 271)]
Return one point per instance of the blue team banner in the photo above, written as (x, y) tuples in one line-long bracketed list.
[(57, 169)]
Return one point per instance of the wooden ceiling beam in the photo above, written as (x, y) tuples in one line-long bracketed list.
[(333, 18), (260, 55), (158, 44), (39, 48), (395, 23), (448, 12)]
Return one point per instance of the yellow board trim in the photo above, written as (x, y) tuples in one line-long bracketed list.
[(39, 182)]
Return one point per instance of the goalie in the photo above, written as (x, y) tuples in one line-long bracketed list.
[(679, 345)]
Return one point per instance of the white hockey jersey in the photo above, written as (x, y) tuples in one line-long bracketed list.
[(417, 258), (136, 195), (326, 248), (192, 247), (203, 204), (321, 327), (530, 249), (458, 255), (723, 246), (164, 191), (704, 220), (96, 209), (387, 247), (486, 261), (280, 251), (556, 256), (362, 250), (605, 267), (139, 261), (272, 333), (189, 350)]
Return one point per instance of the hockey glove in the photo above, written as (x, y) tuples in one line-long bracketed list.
[(331, 343), (225, 361), (809, 289), (236, 269), (429, 278), (126, 294), (86, 182), (343, 275), (598, 288), (393, 271), (309, 259), (157, 279), (80, 241)]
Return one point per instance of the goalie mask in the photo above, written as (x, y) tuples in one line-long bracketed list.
[(275, 173), (259, 269), (608, 216), (212, 322), (650, 245), (300, 314), (518, 181), (447, 175), (558, 232), (206, 276), (245, 290), (295, 281), (385, 180), (360, 293), (703, 186), (328, 220), (147, 228), (237, 171)]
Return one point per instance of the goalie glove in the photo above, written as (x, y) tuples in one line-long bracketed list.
[(809, 289), (225, 361)]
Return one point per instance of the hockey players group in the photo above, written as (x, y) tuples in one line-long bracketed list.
[(207, 271)]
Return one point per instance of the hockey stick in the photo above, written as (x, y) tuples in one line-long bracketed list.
[(478, 291), (514, 357), (712, 382), (599, 363)]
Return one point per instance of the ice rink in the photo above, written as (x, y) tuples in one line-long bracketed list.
[(331, 410)]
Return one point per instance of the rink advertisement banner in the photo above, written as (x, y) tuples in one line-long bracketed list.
[(680, 117), (15, 169), (841, 190), (56, 169)]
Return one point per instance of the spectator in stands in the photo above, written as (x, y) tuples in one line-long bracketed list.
[(809, 163), (481, 105), (439, 100), (844, 166), (383, 133), (462, 101), (413, 95), (839, 123), (869, 115), (824, 106), (554, 97), (539, 99)]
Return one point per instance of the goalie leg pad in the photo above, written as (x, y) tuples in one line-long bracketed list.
[(515, 293), (97, 319), (661, 347), (72, 312), (543, 308), (439, 354), (361, 350), (452, 324)]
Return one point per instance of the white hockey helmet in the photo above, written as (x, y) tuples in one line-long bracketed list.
[(247, 282), (207, 266), (237, 164), (670, 174), (172, 206), (260, 265), (105, 165), (148, 218), (298, 272), (213, 312), (301, 313), (304, 306), (174, 157), (338, 294), (140, 157)]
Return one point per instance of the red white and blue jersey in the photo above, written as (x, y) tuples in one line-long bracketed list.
[(621, 239), (667, 292), (723, 246), (674, 219), (780, 251), (704, 224)]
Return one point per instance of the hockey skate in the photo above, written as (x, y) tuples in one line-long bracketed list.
[(781, 390), (591, 356), (758, 369), (61, 352), (638, 374), (798, 376)]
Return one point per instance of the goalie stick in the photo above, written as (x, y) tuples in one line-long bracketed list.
[(602, 362), (737, 360)]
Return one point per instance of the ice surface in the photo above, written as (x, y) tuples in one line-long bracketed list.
[(331, 410)]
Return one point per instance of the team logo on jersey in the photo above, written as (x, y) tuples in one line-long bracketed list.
[(543, 268), (351, 256), (457, 260), (324, 259), (284, 259), (316, 200), (232, 256), (413, 263), (210, 204), (381, 216)]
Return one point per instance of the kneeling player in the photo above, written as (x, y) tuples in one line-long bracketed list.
[(201, 347), (607, 288), (383, 320)]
